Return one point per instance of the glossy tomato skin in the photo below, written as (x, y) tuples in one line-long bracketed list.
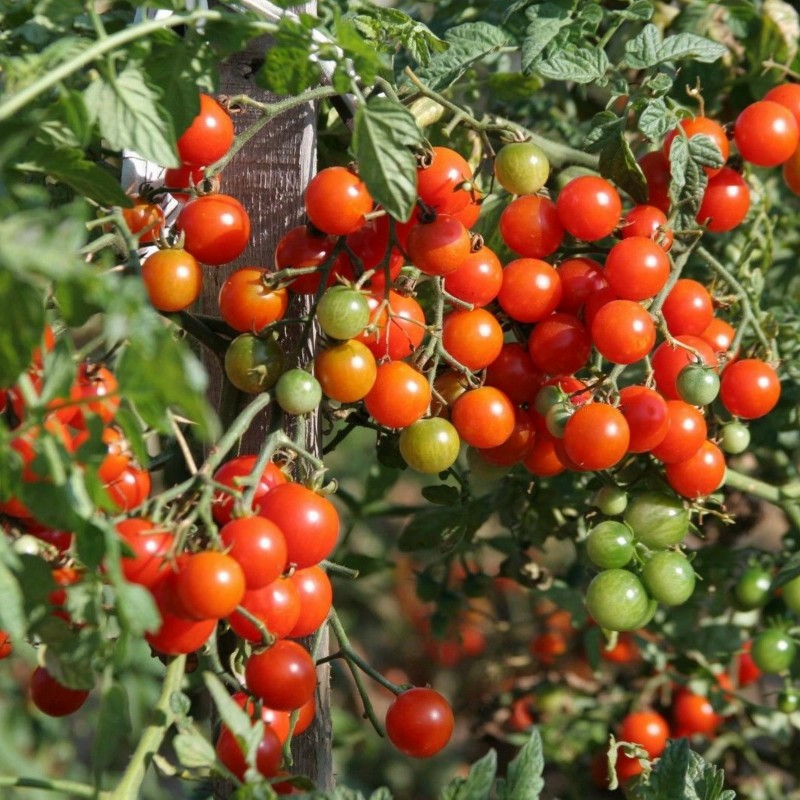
[(766, 133), (655, 166), (609, 544), (342, 312), (253, 363), (514, 374), (478, 279), (268, 753), (259, 546), (787, 95), (130, 489), (208, 137), (248, 304), (178, 635), (668, 361), (645, 411), (473, 338), (589, 208), (518, 444), (144, 218), (719, 335), (439, 183), (559, 344), (596, 436), (646, 728), (650, 222), (400, 395), (542, 459), (430, 445), (694, 714), (439, 246), (216, 228), (232, 473), (521, 167), (419, 722), (749, 388), (346, 371), (726, 201), (580, 278), (637, 268), (658, 519), (617, 600), (283, 676), (531, 227), (623, 331), (150, 547), (773, 651), (688, 308), (400, 327), (276, 605), (531, 290), (316, 597), (304, 248), (669, 577), (686, 432), (309, 522), (484, 417), (210, 585), (53, 698), (369, 245), (699, 475), (337, 200), (173, 279)]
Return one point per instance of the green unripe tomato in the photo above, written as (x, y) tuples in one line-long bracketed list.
[(430, 445), (521, 167), (791, 595), (773, 651), (557, 417), (342, 312), (611, 500), (298, 392), (610, 544), (617, 600), (669, 577), (658, 520), (752, 589), (697, 384), (547, 397), (734, 438), (253, 364), (788, 701)]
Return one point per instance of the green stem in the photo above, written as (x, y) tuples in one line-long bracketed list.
[(745, 483), (64, 788), (27, 95), (128, 788), (195, 327)]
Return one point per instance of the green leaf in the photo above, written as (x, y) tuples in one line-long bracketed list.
[(441, 495), (21, 324), (429, 529), (647, 49), (641, 10), (478, 783), (130, 116), (582, 65), (524, 778), (12, 611), (788, 572), (607, 127), (657, 120), (233, 715), (194, 750), (383, 134), (618, 164), (670, 777), (468, 43), (545, 20), (112, 728), (288, 67), (70, 166), (136, 609), (388, 27)]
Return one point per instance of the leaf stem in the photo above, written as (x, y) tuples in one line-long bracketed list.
[(64, 788)]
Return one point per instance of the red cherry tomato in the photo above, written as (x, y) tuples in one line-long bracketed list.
[(419, 722), (726, 201), (647, 729), (276, 605), (531, 289), (316, 597), (589, 208), (596, 436), (531, 227), (236, 473), (623, 332), (559, 344), (400, 395), (209, 137), (514, 374), (53, 698), (686, 432), (749, 388), (701, 126), (473, 338), (766, 133), (216, 228), (699, 475), (439, 184), (248, 304), (337, 200), (399, 326), (283, 677), (655, 166), (645, 411), (478, 279), (210, 585), (667, 362), (483, 417), (650, 222), (439, 246), (259, 546), (580, 278), (150, 546), (144, 218), (637, 268)]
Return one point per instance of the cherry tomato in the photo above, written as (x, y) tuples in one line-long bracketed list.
[(97, 391), (369, 245), (734, 438), (658, 520), (276, 606), (719, 335), (439, 246), (596, 436), (655, 167), (548, 646), (531, 290), (669, 578), (400, 395), (686, 432), (699, 475), (150, 546), (790, 594), (518, 444), (130, 489), (210, 585), (304, 248), (612, 500), (623, 332), (186, 177), (726, 201), (697, 385), (337, 200), (617, 600), (173, 279), (419, 722), (236, 473), (542, 459), (6, 648), (746, 669), (297, 392), (637, 268), (316, 596), (531, 227), (478, 279), (609, 544), (268, 753), (521, 167), (209, 137), (668, 361), (650, 222), (752, 589), (399, 326), (248, 304), (750, 388), (483, 417), (580, 278), (259, 546), (145, 219), (430, 445), (514, 374), (705, 127), (440, 181), (773, 651), (791, 172), (688, 308), (216, 228), (342, 312), (473, 338), (53, 698), (253, 363), (787, 95), (693, 714), (589, 208), (346, 371), (283, 677), (766, 133), (645, 411), (648, 729)]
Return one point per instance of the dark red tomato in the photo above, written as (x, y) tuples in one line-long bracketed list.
[(283, 677), (726, 201), (399, 327), (517, 446), (542, 459), (745, 667), (440, 183), (637, 268), (719, 335), (688, 308), (580, 278), (686, 432), (596, 436), (185, 177), (268, 754), (699, 475), (97, 391), (787, 95), (646, 728), (650, 222), (400, 395), (478, 279), (595, 301), (53, 698), (316, 597), (750, 388), (308, 520), (144, 219), (623, 332), (337, 200), (645, 411), (259, 546), (547, 647), (514, 374), (655, 166), (150, 546), (130, 489), (473, 338), (6, 647), (178, 635), (248, 304), (60, 540), (589, 208), (559, 344), (173, 279), (210, 585), (766, 133), (277, 606), (277, 720), (693, 713), (419, 722), (483, 417), (791, 172), (440, 246), (209, 137), (303, 248), (530, 226), (235, 473), (216, 228), (667, 362), (369, 245), (531, 289), (705, 127)]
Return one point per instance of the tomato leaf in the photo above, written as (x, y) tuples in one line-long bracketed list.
[(383, 134), (618, 164), (545, 20), (113, 726), (193, 749), (21, 325), (656, 120), (478, 783), (647, 49), (288, 67), (232, 714), (580, 65), (441, 495), (130, 116), (524, 778)]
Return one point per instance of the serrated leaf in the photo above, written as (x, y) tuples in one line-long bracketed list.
[(194, 750), (233, 715), (524, 778), (657, 120), (606, 127), (670, 777), (619, 165), (582, 65), (441, 495), (639, 10), (288, 67), (478, 783), (113, 726), (383, 134), (130, 116), (545, 20), (647, 49)]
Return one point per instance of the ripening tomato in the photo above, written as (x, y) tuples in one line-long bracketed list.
[(438, 246), (699, 475), (254, 363), (655, 166), (248, 303), (216, 228), (726, 201), (337, 200), (400, 395), (478, 279), (208, 137), (276, 606), (97, 391), (445, 181), (766, 133), (483, 417), (596, 436), (514, 374), (623, 332), (688, 308), (647, 729), (51, 697), (589, 208), (144, 219), (173, 279), (531, 289), (668, 361), (650, 222), (521, 167), (430, 445), (580, 278), (559, 344), (686, 432), (210, 585), (259, 546), (283, 677), (419, 722), (346, 371), (399, 326), (749, 388), (705, 127), (637, 268), (531, 227), (316, 597), (645, 411), (473, 338)]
